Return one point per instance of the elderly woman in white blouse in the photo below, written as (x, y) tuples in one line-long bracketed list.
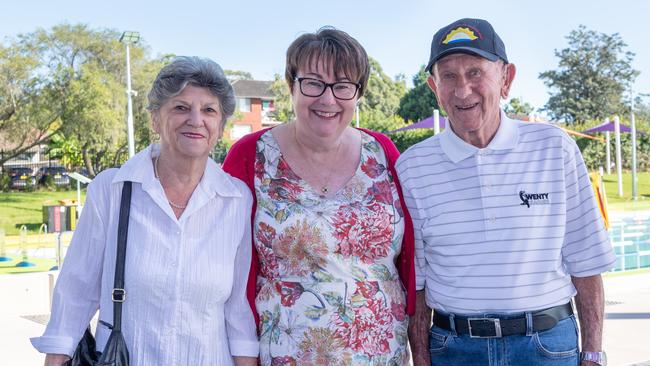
[(189, 249)]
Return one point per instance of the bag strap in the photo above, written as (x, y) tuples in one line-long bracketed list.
[(119, 294)]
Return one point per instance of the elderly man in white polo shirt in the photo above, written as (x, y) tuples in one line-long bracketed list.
[(506, 226)]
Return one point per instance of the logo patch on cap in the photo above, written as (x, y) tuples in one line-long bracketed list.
[(460, 34)]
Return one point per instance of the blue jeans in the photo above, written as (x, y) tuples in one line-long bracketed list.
[(557, 346)]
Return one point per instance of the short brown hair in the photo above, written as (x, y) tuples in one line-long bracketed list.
[(332, 47)]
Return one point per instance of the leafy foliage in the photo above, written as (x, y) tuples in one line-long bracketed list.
[(517, 107), (282, 108), (383, 93), (26, 118), (593, 74), (420, 101), (220, 151), (594, 152), (65, 150), (233, 75), (68, 81), (403, 140)]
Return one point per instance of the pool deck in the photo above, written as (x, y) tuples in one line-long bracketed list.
[(25, 305)]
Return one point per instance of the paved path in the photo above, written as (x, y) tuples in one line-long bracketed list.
[(24, 304), (627, 320)]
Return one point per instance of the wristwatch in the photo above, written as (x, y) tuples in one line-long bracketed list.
[(599, 358)]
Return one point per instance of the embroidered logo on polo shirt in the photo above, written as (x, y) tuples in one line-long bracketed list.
[(528, 199)]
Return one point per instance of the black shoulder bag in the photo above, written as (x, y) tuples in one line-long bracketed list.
[(115, 352)]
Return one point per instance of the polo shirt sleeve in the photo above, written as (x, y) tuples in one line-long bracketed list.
[(418, 218), (587, 250)]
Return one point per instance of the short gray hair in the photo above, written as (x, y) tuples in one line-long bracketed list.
[(197, 71)]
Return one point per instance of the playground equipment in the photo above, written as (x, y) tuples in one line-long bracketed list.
[(23, 249), (3, 251), (601, 197), (617, 128), (58, 252)]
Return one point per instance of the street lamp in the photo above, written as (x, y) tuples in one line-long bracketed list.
[(128, 38), (633, 133)]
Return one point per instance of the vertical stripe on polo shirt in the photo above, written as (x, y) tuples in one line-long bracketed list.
[(503, 230)]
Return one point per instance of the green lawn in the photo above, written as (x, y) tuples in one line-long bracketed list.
[(41, 265), (625, 203), (26, 208), (626, 273)]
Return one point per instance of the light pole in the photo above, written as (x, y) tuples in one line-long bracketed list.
[(128, 38), (633, 133)]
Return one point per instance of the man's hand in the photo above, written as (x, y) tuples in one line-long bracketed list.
[(419, 325)]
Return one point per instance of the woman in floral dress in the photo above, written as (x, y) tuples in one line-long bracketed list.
[(333, 280)]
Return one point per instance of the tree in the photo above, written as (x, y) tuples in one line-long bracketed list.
[(143, 74), (233, 75), (642, 109), (383, 94), (517, 107), (593, 74), (94, 100), (420, 101), (26, 119), (68, 81), (282, 107)]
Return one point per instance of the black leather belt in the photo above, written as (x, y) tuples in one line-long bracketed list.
[(481, 327)]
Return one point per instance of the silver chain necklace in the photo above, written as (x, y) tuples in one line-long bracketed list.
[(324, 189), (155, 172)]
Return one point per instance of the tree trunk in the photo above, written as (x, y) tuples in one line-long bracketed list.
[(87, 161)]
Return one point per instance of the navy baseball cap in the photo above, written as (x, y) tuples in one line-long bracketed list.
[(472, 36)]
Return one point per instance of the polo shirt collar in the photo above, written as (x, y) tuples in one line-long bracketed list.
[(457, 149)]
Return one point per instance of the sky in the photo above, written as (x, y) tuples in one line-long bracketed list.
[(253, 35)]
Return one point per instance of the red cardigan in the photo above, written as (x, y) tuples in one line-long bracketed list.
[(240, 163)]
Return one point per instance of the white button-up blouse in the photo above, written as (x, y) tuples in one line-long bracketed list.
[(185, 278)]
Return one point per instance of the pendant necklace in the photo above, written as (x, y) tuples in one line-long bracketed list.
[(324, 189), (155, 172)]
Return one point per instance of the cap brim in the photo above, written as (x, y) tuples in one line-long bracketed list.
[(466, 50)]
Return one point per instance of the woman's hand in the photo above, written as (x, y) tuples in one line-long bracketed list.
[(52, 359)]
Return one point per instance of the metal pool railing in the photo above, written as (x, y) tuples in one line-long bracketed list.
[(630, 236)]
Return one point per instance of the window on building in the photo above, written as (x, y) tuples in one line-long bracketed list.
[(267, 105), (239, 131), (244, 104)]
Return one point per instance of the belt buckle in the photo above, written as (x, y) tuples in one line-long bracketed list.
[(495, 321)]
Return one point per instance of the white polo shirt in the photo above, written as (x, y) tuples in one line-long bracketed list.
[(503, 228)]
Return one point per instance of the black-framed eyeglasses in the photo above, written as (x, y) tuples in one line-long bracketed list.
[(344, 90)]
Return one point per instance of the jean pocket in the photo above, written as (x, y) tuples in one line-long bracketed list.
[(438, 339), (561, 341)]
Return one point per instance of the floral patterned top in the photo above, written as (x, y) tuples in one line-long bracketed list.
[(328, 291)]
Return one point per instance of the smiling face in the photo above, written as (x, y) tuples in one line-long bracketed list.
[(190, 123), (470, 89), (322, 116)]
